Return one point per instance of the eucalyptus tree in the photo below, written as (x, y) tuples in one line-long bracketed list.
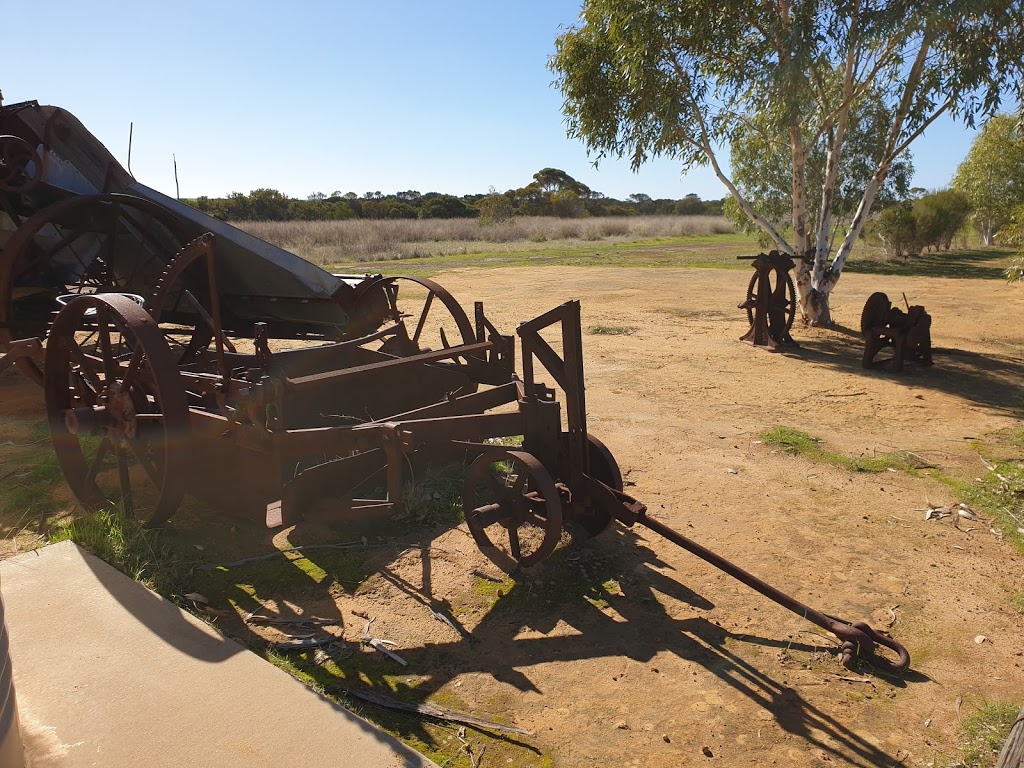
[(992, 175), (642, 78)]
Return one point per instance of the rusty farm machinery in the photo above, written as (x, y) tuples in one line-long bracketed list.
[(179, 355)]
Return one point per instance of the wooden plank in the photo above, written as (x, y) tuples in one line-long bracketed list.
[(1012, 754)]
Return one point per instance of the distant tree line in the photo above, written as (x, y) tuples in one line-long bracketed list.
[(551, 193)]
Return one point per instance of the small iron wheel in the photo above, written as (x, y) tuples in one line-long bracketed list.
[(512, 489), (20, 167), (603, 467), (788, 306), (116, 407)]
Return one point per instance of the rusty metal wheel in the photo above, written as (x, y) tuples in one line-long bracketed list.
[(20, 166), (875, 313), (429, 315), (788, 305), (603, 467), (512, 489), (116, 407), (81, 245)]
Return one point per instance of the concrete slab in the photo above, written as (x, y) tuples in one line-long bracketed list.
[(110, 674)]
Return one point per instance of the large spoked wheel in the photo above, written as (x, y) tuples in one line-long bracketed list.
[(82, 245), (511, 489), (20, 167), (116, 407), (428, 315), (787, 306)]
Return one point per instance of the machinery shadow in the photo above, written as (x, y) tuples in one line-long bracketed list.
[(566, 612), (989, 380)]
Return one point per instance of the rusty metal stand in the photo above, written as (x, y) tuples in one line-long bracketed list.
[(771, 304)]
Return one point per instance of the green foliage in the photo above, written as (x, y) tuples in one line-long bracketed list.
[(1013, 233), (567, 204), (437, 206), (761, 162), (495, 208), (896, 229), (992, 175), (940, 216), (985, 732), (930, 222)]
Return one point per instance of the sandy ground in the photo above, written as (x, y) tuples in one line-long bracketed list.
[(683, 665)]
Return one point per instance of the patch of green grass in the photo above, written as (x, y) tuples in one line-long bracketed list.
[(711, 251), (136, 551), (985, 732), (611, 330), (798, 443), (1017, 601), (435, 497)]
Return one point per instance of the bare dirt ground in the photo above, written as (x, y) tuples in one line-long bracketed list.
[(674, 663)]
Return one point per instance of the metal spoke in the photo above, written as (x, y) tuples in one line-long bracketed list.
[(97, 460), (85, 366), (147, 464), (513, 543), (109, 365), (423, 318), (124, 479)]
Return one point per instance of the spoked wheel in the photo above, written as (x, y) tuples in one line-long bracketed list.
[(430, 317), (512, 489), (603, 467), (787, 306), (116, 407), (81, 245), (20, 167)]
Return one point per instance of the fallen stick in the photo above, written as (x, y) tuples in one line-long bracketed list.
[(430, 711)]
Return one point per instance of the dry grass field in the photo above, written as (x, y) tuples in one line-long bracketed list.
[(358, 240)]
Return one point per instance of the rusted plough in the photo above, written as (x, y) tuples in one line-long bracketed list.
[(908, 333), (251, 380)]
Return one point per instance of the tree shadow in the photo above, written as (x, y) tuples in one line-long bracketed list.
[(978, 264), (990, 380)]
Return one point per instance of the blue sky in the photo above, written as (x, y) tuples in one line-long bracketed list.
[(449, 96)]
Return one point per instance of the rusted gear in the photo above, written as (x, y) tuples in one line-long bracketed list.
[(32, 275), (875, 313), (184, 294), (20, 167), (512, 489), (119, 396), (786, 309)]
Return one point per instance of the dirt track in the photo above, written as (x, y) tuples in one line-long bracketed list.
[(683, 665)]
